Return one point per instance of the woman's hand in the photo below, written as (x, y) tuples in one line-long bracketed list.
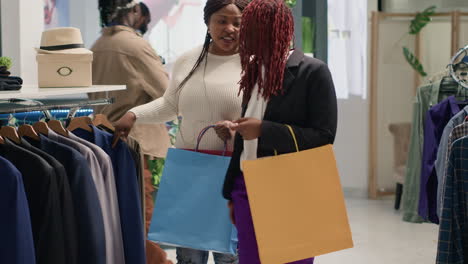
[(123, 127), (231, 212), (249, 128), (224, 131)]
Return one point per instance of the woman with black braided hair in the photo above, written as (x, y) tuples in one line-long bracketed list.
[(203, 90)]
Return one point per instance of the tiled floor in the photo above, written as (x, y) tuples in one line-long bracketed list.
[(381, 237)]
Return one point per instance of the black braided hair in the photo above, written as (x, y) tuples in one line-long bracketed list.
[(211, 7), (144, 10), (109, 13)]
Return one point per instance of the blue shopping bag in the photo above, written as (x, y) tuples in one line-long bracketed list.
[(190, 211)]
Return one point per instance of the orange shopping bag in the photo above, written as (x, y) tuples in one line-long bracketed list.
[(297, 205)]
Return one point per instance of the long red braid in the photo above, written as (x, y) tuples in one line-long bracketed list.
[(265, 36)]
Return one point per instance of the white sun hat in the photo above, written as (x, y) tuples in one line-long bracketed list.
[(63, 40)]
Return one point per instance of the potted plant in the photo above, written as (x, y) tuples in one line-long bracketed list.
[(5, 65)]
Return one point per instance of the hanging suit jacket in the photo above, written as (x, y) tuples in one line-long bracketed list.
[(90, 226), (16, 245), (65, 200), (43, 199), (128, 193)]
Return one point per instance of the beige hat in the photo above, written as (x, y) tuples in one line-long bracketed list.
[(65, 40)]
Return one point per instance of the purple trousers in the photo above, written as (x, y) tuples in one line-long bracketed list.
[(248, 249)]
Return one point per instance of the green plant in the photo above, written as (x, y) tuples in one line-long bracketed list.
[(291, 3), (156, 167), (414, 62), (421, 20), (417, 24), (6, 61), (308, 35)]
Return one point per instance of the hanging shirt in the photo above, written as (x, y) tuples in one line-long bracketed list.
[(347, 46), (101, 172), (127, 192), (138, 157), (91, 237), (16, 245), (426, 97), (43, 200), (65, 200), (458, 132), (453, 231), (436, 120), (449, 136)]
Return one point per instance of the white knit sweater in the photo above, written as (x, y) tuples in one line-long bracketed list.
[(208, 96)]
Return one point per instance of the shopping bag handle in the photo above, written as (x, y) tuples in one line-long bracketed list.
[(294, 139), (202, 133)]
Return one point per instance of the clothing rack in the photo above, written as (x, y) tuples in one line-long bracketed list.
[(33, 98), (375, 88), (40, 106), (67, 171)]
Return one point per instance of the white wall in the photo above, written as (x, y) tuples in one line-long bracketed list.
[(395, 95), (436, 45), (11, 31), (22, 25), (84, 14), (352, 144), (463, 33), (352, 139)]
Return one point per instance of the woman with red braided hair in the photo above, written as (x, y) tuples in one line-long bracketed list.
[(279, 87)]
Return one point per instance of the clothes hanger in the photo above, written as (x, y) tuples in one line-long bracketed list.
[(10, 133), (28, 131), (41, 127), (57, 127), (82, 122), (462, 65), (101, 120)]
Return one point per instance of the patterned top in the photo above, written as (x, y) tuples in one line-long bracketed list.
[(453, 230), (457, 133)]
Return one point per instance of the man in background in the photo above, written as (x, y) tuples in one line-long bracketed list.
[(123, 57)]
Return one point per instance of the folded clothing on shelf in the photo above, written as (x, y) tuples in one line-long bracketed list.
[(11, 83)]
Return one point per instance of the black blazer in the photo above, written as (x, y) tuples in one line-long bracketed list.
[(308, 104), (40, 185)]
